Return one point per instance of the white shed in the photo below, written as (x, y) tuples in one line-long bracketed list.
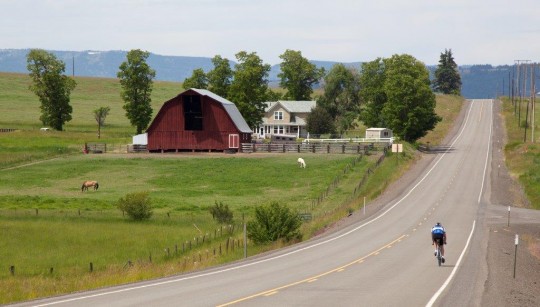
[(140, 139), (378, 133)]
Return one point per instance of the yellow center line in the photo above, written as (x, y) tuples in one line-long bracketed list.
[(313, 278), (271, 293)]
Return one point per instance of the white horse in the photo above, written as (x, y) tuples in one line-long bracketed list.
[(301, 163)]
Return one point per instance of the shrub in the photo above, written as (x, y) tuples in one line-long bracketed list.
[(137, 205), (221, 213), (273, 222)]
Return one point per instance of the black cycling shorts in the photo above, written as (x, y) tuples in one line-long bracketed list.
[(438, 237)]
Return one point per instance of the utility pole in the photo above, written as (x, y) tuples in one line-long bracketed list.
[(533, 98)]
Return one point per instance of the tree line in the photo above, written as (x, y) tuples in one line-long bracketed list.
[(393, 92)]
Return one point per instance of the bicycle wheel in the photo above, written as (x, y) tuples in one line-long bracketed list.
[(439, 257)]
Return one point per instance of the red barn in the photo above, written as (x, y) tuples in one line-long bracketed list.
[(198, 120)]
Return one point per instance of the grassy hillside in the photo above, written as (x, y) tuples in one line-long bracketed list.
[(522, 154), (51, 231), (20, 107)]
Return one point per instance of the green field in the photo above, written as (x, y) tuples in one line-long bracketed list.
[(48, 222), (51, 231)]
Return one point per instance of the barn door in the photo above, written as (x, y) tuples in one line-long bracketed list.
[(234, 140)]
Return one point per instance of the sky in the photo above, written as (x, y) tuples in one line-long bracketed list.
[(496, 32)]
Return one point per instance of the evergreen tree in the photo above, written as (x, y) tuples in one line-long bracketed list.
[(447, 78)]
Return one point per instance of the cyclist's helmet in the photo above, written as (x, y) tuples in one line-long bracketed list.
[(438, 224)]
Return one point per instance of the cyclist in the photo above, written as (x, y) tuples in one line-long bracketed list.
[(438, 236)]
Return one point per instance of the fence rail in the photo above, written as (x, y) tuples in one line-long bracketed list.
[(321, 147), (330, 148)]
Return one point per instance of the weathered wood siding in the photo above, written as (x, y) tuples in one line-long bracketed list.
[(167, 131)]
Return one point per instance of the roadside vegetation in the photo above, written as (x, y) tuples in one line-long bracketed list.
[(59, 239), (522, 154)]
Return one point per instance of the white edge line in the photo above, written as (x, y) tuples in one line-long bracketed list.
[(441, 289), (268, 259)]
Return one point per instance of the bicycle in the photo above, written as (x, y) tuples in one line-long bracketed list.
[(439, 255)]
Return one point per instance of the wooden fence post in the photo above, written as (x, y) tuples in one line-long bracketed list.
[(91, 267), (12, 270)]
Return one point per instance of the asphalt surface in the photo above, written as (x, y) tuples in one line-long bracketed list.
[(384, 258)]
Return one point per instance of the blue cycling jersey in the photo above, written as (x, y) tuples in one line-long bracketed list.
[(438, 230)]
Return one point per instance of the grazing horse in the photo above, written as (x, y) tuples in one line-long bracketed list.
[(301, 163), (87, 184)]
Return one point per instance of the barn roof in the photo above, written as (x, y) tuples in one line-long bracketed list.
[(230, 107)]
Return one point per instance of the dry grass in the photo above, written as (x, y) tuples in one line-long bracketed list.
[(448, 107), (522, 155)]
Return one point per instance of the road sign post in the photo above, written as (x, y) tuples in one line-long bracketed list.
[(515, 254), (397, 148), (508, 216)]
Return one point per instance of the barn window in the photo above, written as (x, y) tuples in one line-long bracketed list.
[(193, 119)]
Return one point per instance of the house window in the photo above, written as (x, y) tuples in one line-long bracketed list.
[(193, 119), (278, 115), (278, 129)]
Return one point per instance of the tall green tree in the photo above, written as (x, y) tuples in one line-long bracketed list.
[(319, 121), (100, 114), (447, 79), (298, 75), (249, 88), (52, 87), (220, 78), (197, 80), (136, 78), (372, 92), (410, 107), (341, 96)]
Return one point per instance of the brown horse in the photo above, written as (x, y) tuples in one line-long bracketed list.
[(87, 184)]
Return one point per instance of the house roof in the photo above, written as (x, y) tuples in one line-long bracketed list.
[(377, 129), (302, 106), (299, 122), (230, 107)]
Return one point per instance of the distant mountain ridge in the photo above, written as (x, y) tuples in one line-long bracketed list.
[(479, 81)]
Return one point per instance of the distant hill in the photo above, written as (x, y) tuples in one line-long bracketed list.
[(479, 81)]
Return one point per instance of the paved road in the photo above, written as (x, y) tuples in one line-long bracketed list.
[(386, 260)]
